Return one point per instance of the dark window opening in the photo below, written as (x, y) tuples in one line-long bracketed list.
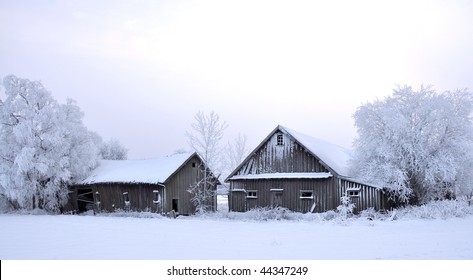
[(280, 140), (126, 198), (306, 194), (193, 164), (353, 193), (252, 194)]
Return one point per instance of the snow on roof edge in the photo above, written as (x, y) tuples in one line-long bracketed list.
[(295, 175), (150, 171)]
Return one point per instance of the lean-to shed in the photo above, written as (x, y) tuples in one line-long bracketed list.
[(157, 185)]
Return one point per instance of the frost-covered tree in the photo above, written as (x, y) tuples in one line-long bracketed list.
[(43, 146), (235, 153), (416, 144), (207, 132), (114, 150), (205, 136)]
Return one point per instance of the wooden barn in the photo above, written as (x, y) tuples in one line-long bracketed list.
[(157, 185), (299, 172)]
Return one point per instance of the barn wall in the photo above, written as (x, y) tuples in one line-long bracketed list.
[(324, 194), (177, 185), (369, 197), (141, 196), (289, 157)]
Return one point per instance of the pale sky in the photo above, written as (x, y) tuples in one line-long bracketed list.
[(141, 70)]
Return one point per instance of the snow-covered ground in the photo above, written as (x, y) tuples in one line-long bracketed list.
[(130, 238)]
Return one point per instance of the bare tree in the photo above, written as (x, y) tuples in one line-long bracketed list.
[(235, 153), (207, 132)]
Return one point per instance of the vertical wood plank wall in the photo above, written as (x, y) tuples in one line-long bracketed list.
[(289, 157), (141, 195), (324, 195), (292, 157), (177, 185)]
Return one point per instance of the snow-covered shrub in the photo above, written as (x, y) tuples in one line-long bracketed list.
[(329, 215), (370, 214), (131, 214), (441, 209), (346, 207), (265, 214)]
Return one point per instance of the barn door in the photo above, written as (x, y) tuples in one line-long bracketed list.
[(276, 198), (238, 201), (85, 200)]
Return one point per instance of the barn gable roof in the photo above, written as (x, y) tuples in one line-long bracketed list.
[(332, 156), (335, 158), (152, 171)]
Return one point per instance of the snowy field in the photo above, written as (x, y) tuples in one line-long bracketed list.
[(75, 237)]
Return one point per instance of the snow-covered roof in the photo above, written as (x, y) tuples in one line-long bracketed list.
[(336, 157), (297, 175), (152, 171)]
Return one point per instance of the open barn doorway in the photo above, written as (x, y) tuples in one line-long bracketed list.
[(85, 200)]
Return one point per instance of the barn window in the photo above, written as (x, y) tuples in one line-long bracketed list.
[(353, 193), (97, 198), (193, 164), (307, 195), (126, 198), (280, 140), (251, 194), (157, 197)]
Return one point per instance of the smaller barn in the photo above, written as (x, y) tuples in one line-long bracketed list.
[(299, 172), (157, 185)]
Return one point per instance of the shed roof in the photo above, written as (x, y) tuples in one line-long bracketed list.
[(152, 171)]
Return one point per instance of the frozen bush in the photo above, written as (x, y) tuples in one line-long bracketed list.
[(130, 214), (346, 207), (329, 215), (441, 209)]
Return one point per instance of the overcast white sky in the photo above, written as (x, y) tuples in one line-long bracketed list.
[(140, 70)]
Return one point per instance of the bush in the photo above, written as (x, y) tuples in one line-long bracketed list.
[(5, 205), (346, 207), (131, 214), (440, 209)]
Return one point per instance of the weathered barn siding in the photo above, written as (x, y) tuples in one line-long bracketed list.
[(368, 197), (324, 196), (282, 152), (288, 157), (161, 197), (285, 157), (109, 197), (176, 187)]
